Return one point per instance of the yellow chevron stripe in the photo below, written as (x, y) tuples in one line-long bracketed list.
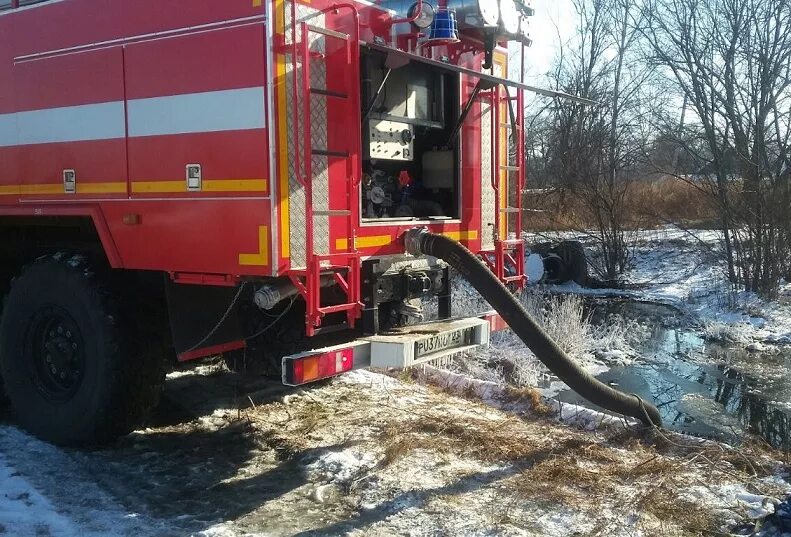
[(462, 235), (214, 185), (261, 259), (365, 242)]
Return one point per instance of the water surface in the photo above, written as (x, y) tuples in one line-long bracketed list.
[(701, 388)]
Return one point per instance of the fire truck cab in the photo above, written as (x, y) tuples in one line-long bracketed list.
[(195, 178)]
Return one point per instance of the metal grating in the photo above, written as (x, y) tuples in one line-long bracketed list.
[(297, 223), (488, 197)]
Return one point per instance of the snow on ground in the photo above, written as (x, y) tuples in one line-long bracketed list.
[(24, 511), (471, 451), (46, 491), (685, 269), (376, 455)]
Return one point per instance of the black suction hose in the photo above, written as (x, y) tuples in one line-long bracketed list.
[(420, 242)]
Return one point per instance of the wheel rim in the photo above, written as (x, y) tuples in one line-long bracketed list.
[(55, 353)]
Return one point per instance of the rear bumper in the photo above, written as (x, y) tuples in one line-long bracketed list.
[(409, 346)]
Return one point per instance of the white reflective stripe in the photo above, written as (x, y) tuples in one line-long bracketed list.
[(214, 111), (8, 136), (103, 121)]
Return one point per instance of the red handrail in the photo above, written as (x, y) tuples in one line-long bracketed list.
[(354, 50), (315, 263)]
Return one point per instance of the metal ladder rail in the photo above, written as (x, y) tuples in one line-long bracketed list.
[(335, 263), (350, 260), (503, 245), (516, 245), (354, 171)]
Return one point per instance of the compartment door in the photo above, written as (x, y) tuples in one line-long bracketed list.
[(197, 119)]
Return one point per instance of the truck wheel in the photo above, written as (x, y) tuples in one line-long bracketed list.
[(72, 372), (575, 263), (251, 362)]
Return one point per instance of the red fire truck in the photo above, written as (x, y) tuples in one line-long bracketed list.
[(194, 178)]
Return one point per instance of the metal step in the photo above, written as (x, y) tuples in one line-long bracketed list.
[(329, 93), (329, 33), (340, 327), (328, 153), (327, 310)]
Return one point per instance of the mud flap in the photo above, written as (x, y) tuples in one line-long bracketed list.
[(204, 320)]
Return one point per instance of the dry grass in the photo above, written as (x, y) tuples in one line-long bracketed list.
[(648, 204), (621, 472), (531, 397), (662, 502), (647, 482), (563, 466)]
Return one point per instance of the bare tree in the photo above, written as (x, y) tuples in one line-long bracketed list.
[(593, 152), (730, 60)]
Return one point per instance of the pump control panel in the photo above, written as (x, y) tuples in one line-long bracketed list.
[(390, 140)]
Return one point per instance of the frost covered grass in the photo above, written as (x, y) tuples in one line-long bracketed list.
[(565, 320), (735, 333), (686, 269), (656, 479)]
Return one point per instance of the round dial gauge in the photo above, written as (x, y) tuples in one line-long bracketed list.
[(509, 15), (490, 12), (377, 195)]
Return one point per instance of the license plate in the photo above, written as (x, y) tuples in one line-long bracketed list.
[(444, 342)]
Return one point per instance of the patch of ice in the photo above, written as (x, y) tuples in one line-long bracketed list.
[(615, 356), (585, 418), (220, 530), (23, 511), (707, 411)]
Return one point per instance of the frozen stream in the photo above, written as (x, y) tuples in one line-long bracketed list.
[(702, 388)]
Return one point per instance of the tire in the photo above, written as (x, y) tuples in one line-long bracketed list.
[(250, 362), (73, 373), (575, 263)]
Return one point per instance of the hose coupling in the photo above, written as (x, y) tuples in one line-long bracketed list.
[(267, 297), (413, 239)]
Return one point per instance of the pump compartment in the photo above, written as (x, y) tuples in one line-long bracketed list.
[(411, 169)]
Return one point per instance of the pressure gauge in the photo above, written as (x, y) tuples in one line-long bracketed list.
[(377, 195), (489, 12), (509, 17)]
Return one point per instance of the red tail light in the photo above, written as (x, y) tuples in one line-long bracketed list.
[(317, 366), (496, 322)]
